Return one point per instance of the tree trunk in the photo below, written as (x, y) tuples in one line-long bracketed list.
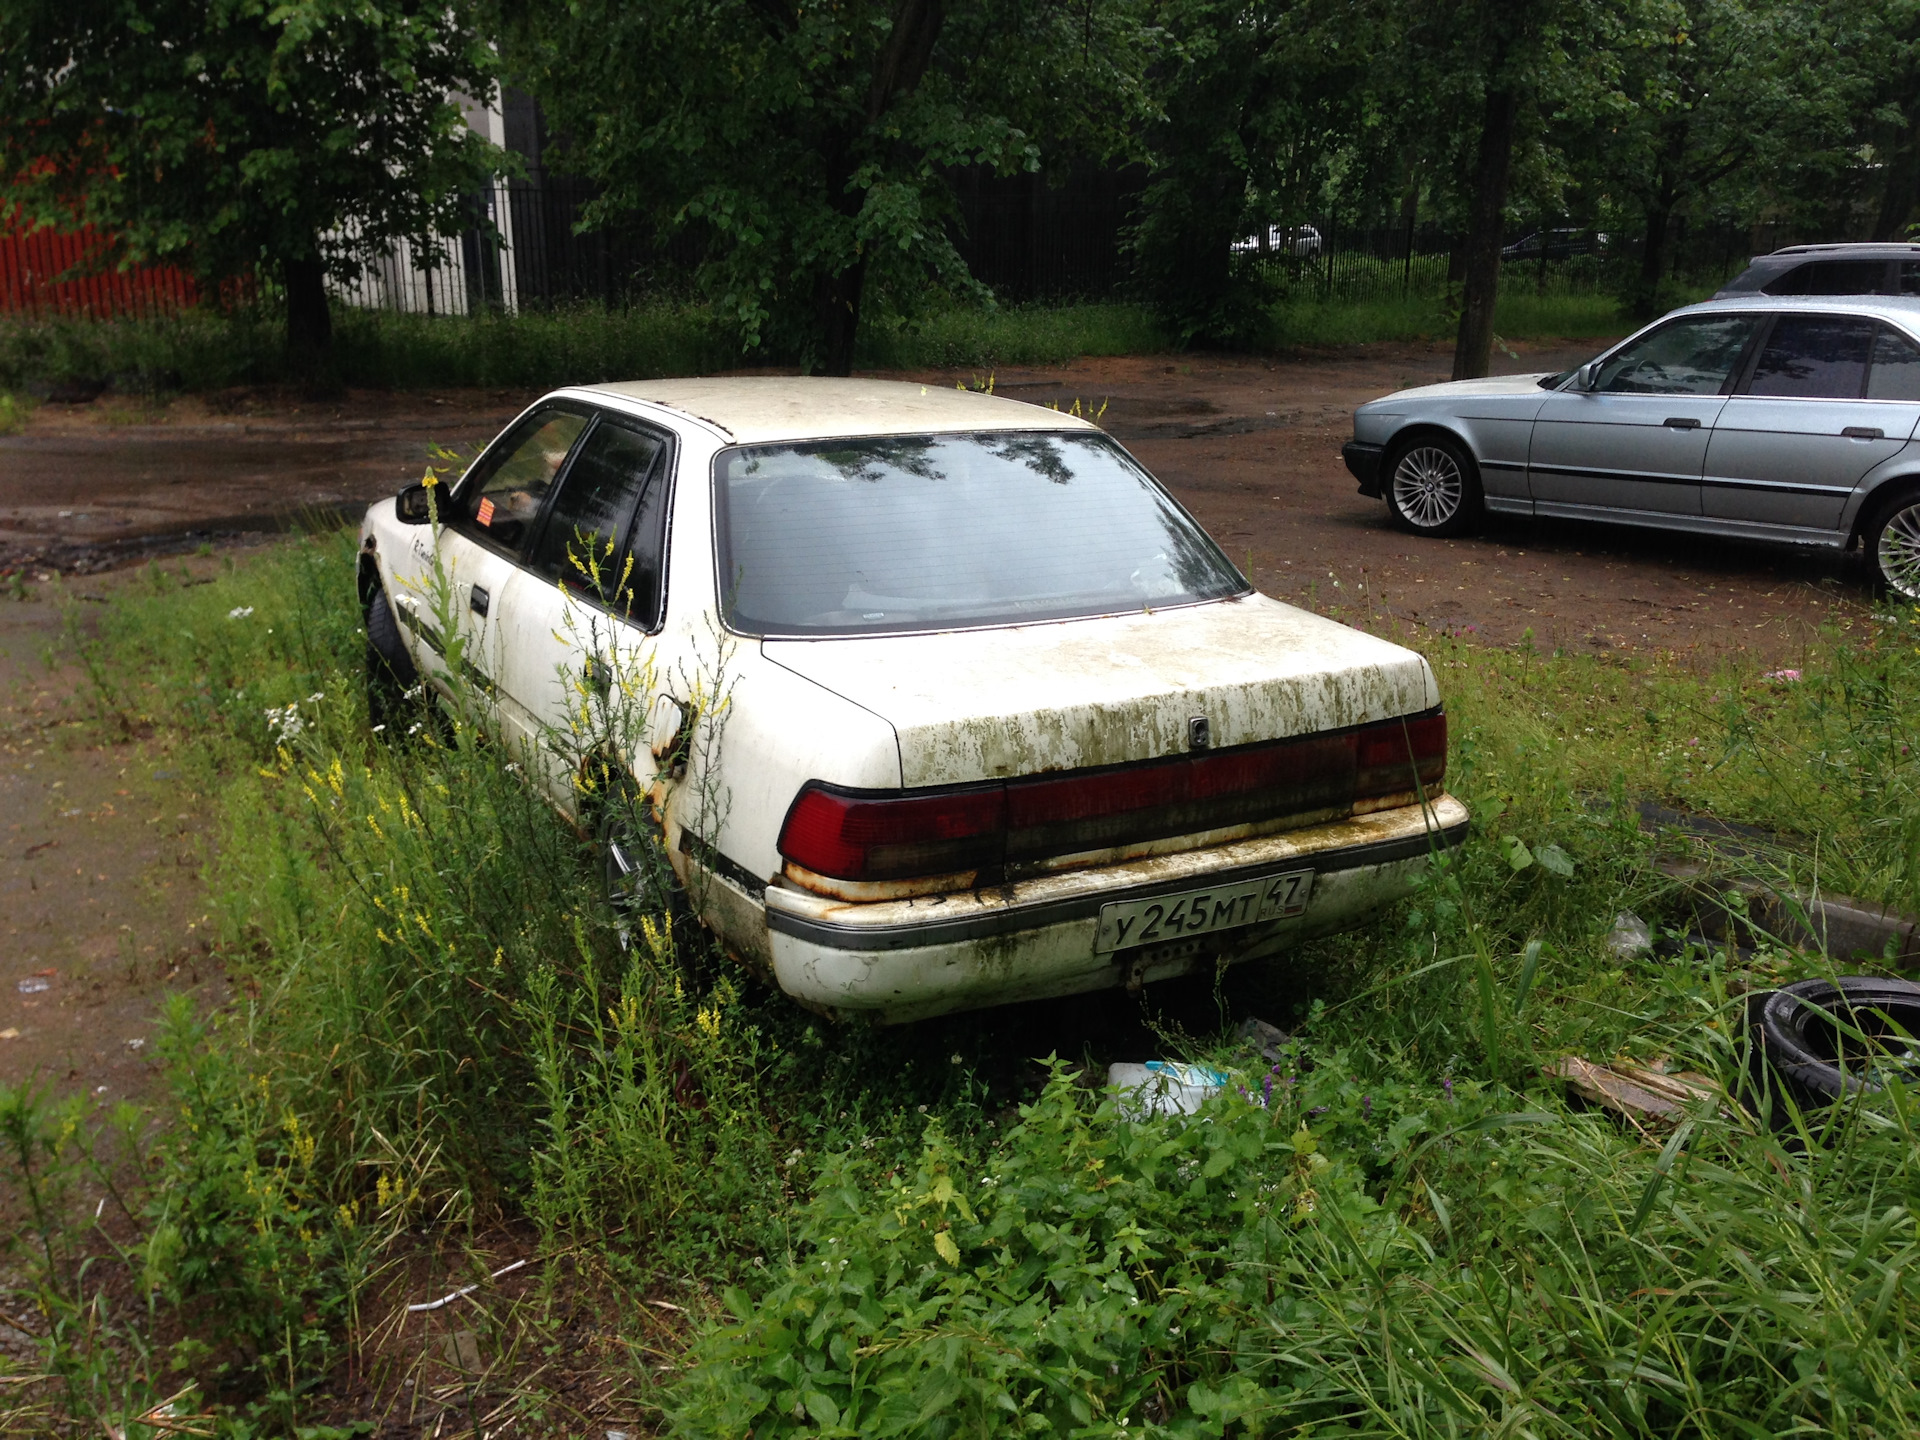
[(309, 322), (1473, 351), (838, 304), (1653, 254), (1902, 189)]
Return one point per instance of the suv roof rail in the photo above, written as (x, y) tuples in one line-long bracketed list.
[(1887, 246)]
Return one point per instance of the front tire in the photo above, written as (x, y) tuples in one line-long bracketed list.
[(1433, 487), (1893, 545), (390, 669)]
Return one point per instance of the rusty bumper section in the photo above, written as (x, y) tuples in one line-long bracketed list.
[(907, 959)]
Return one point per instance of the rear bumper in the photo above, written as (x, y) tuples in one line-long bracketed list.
[(1364, 463), (907, 959)]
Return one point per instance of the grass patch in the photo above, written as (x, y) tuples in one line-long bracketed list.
[(202, 350), (438, 1037)]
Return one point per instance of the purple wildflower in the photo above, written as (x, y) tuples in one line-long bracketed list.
[(1366, 1105), (1447, 1085), (1266, 1093), (1318, 1110)]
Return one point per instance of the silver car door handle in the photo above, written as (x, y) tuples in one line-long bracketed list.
[(1864, 432), (1681, 422), (478, 600)]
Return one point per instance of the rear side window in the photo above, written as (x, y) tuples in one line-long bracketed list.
[(1910, 277), (1896, 368), (1814, 357), (500, 498), (1833, 277), (1692, 356), (591, 543), (926, 532)]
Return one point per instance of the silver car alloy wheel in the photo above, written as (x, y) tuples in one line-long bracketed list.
[(1428, 486), (1899, 550)]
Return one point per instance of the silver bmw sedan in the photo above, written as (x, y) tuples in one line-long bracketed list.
[(1777, 418)]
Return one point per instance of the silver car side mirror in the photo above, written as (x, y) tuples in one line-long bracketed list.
[(1587, 376)]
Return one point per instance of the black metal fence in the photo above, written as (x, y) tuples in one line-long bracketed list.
[(1027, 237), (526, 251)]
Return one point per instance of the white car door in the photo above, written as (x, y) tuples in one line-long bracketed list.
[(589, 600), (491, 517)]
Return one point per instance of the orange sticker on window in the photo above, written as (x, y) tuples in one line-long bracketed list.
[(485, 514)]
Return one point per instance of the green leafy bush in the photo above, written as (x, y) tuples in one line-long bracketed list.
[(1378, 1258)]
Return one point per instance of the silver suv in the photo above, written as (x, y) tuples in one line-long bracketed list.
[(1876, 268)]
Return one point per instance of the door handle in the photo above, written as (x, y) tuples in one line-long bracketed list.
[(1864, 432), (1681, 422), (478, 600)]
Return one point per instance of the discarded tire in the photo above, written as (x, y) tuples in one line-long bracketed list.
[(1818, 1040)]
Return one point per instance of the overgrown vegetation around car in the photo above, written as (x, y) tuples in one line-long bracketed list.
[(439, 1049)]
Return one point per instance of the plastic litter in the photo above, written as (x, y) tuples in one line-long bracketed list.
[(1163, 1087), (1630, 937), (33, 985)]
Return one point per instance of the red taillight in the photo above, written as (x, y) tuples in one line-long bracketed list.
[(850, 836), (898, 835), (1387, 756)]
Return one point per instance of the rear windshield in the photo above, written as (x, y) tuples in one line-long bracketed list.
[(921, 532)]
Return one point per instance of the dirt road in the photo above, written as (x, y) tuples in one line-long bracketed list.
[(1251, 444)]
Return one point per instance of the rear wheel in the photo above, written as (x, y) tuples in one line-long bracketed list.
[(1893, 544), (1433, 487)]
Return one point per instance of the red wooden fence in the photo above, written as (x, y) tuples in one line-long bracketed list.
[(32, 260)]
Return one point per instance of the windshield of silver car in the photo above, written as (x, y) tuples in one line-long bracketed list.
[(920, 532)]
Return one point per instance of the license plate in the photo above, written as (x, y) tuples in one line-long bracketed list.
[(1127, 923)]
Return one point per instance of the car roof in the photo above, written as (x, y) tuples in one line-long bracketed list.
[(1902, 310), (759, 409)]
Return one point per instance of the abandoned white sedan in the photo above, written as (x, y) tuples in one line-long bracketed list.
[(979, 713)]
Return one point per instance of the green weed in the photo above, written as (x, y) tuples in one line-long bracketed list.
[(443, 1021)]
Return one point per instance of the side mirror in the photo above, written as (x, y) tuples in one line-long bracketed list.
[(411, 506), (1587, 376)]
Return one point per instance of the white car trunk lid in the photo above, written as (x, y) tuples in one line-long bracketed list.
[(990, 704)]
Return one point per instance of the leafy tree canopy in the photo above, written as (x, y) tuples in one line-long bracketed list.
[(810, 142), (293, 135)]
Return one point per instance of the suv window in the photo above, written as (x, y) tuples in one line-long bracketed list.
[(1833, 277), (1910, 277), (1896, 368), (500, 498), (1814, 357), (590, 543), (1692, 356)]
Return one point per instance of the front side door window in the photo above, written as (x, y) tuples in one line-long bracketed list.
[(1791, 445), (1635, 444), (493, 516), (501, 498)]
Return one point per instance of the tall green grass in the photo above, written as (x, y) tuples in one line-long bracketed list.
[(1405, 1228), (203, 350)]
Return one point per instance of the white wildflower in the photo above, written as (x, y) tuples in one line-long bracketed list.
[(239, 612)]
